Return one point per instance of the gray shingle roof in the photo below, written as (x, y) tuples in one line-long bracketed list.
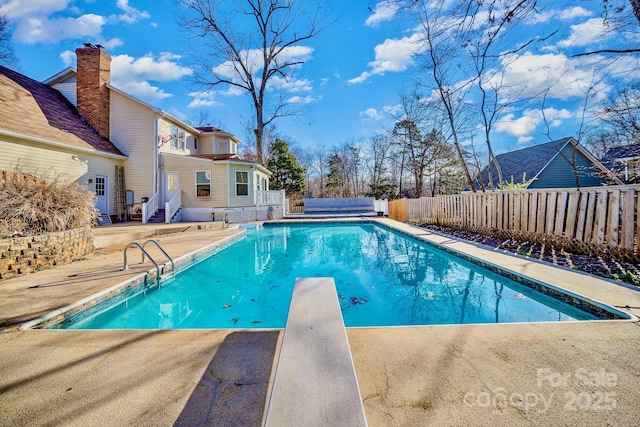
[(527, 162), (32, 108)]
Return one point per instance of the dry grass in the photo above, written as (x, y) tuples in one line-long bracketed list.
[(30, 205)]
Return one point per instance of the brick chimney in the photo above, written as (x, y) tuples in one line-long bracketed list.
[(94, 69)]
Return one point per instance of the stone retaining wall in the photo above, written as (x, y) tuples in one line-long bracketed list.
[(22, 255)]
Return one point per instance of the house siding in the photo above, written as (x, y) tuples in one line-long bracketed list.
[(164, 129), (559, 173), (133, 132), (44, 161), (241, 201), (186, 168), (68, 89)]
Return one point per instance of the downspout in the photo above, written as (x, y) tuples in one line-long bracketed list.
[(229, 188), (156, 161), (155, 155)]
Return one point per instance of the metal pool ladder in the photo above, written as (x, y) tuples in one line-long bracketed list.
[(146, 254)]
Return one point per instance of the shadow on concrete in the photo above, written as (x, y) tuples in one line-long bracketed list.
[(233, 388)]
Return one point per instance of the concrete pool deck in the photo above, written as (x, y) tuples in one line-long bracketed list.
[(573, 373)]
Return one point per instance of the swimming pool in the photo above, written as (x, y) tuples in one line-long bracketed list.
[(383, 278)]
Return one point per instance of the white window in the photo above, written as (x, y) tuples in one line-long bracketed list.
[(203, 183), (177, 138), (264, 184), (242, 183)]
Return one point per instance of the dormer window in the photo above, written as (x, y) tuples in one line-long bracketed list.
[(178, 138)]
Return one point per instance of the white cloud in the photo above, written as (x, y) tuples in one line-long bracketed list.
[(301, 100), (530, 75), (254, 61), (68, 58), (384, 11), (142, 89), (393, 55), (164, 68), (111, 44), (586, 33), (523, 126), (562, 14), (371, 114), (575, 12), (392, 110), (132, 75), (131, 14), (50, 21), (19, 9), (203, 99), (35, 29), (291, 85)]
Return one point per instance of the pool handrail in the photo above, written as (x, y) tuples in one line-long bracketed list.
[(225, 218), (144, 252), (173, 264)]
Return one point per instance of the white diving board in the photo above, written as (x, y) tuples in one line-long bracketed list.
[(315, 381)]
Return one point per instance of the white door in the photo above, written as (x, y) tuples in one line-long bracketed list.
[(102, 192), (171, 185)]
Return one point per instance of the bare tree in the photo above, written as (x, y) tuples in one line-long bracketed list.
[(250, 45), (624, 23), (7, 55), (443, 36), (320, 167), (377, 159), (487, 50)]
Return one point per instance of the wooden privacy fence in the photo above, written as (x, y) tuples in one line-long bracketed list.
[(601, 216)]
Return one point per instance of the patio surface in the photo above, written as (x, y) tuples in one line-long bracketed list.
[(572, 373)]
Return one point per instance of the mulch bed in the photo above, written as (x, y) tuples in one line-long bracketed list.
[(607, 267)]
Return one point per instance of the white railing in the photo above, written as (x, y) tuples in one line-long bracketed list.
[(172, 206), (149, 208), (270, 198)]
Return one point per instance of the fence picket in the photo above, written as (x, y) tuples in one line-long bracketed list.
[(588, 227), (613, 221), (582, 214), (606, 216), (561, 210), (533, 210), (551, 209), (601, 217), (572, 211), (542, 209), (627, 219)]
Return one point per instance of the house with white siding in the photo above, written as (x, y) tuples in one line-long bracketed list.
[(42, 134), (167, 170)]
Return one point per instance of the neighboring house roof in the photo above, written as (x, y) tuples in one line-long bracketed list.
[(618, 159), (31, 108), (528, 163), (625, 152), (216, 131)]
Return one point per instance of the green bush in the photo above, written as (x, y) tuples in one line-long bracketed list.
[(30, 205)]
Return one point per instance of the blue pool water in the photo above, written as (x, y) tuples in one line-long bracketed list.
[(383, 278)]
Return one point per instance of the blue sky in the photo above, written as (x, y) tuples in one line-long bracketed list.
[(353, 71)]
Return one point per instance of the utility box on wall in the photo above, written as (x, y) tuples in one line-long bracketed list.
[(128, 197)]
